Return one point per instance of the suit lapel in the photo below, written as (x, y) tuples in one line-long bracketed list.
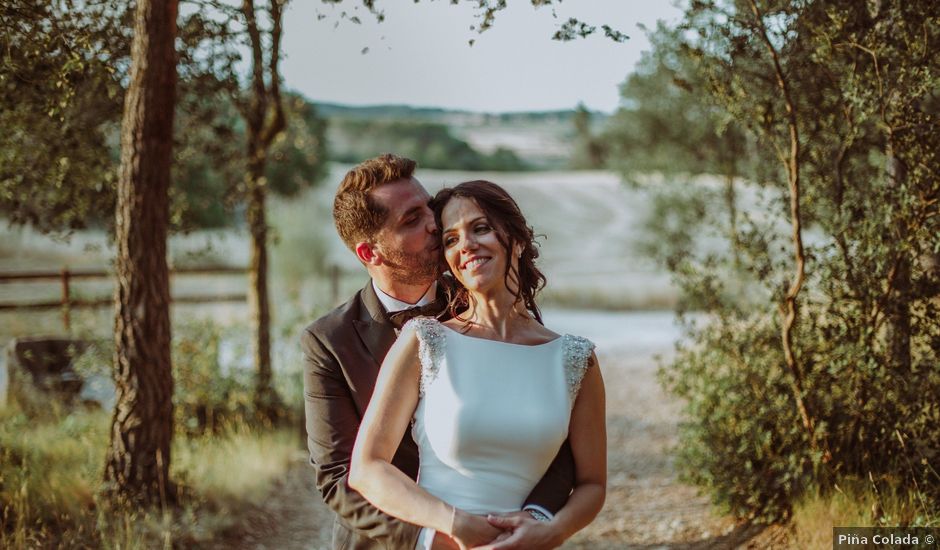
[(373, 326)]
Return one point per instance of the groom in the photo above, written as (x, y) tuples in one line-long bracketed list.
[(381, 213)]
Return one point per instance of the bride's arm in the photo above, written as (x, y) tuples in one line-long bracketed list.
[(383, 426), (588, 435)]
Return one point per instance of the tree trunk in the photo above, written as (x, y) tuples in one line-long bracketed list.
[(731, 205), (265, 398), (264, 116), (788, 308), (138, 457), (897, 309)]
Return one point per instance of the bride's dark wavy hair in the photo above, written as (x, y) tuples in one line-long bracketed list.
[(511, 229)]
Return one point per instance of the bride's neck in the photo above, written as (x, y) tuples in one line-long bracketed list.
[(497, 314)]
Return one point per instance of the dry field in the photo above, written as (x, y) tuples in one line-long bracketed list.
[(590, 222)]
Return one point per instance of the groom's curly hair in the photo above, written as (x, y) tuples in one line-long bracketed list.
[(357, 215), (511, 229)]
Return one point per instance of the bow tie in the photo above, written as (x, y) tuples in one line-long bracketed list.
[(399, 318)]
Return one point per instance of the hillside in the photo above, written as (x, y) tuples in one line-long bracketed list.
[(539, 139)]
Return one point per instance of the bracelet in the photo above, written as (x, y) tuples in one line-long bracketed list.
[(538, 516)]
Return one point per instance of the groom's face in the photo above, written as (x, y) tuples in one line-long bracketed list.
[(408, 241)]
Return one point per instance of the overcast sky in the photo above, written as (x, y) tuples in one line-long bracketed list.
[(420, 54)]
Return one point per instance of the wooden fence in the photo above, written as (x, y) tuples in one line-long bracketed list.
[(66, 276)]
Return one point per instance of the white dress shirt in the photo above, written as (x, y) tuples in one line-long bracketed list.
[(392, 305)]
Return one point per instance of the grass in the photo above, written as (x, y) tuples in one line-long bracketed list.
[(206, 464), (47, 474), (50, 475), (855, 503)]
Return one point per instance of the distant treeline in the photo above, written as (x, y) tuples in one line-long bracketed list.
[(435, 114), (430, 143)]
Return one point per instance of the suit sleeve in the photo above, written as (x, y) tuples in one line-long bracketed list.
[(553, 489), (332, 423)]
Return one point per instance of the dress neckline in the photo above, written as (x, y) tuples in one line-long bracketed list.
[(457, 332)]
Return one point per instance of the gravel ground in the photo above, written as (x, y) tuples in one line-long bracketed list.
[(647, 507)]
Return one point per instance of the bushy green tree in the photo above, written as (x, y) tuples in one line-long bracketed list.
[(669, 124), (298, 159), (590, 150), (60, 106), (833, 373), (62, 83)]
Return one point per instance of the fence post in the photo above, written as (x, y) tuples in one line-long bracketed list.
[(66, 299)]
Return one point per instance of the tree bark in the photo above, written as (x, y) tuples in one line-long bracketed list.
[(138, 457)]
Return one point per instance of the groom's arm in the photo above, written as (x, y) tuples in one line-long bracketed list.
[(553, 489), (332, 423)]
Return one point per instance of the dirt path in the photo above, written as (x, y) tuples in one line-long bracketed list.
[(291, 517), (647, 507)]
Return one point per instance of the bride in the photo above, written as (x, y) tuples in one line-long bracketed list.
[(490, 394)]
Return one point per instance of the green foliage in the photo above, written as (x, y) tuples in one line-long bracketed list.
[(204, 398), (867, 341), (676, 216), (297, 160), (213, 388), (570, 29), (670, 123), (213, 384), (60, 100), (742, 439), (62, 79), (431, 144), (48, 468), (851, 501), (590, 151)]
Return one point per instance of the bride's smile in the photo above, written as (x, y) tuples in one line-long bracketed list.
[(475, 263), (472, 247)]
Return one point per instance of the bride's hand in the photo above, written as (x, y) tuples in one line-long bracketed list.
[(470, 530)]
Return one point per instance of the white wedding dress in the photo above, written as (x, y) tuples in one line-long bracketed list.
[(491, 415)]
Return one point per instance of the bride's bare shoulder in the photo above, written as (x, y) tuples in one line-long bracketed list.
[(540, 333)]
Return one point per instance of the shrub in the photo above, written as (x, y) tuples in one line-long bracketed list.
[(848, 237), (741, 437)]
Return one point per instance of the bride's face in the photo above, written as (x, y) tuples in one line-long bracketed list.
[(471, 246)]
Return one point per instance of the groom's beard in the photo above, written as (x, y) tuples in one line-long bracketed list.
[(411, 269)]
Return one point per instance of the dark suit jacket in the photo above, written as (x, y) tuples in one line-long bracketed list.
[(342, 354)]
